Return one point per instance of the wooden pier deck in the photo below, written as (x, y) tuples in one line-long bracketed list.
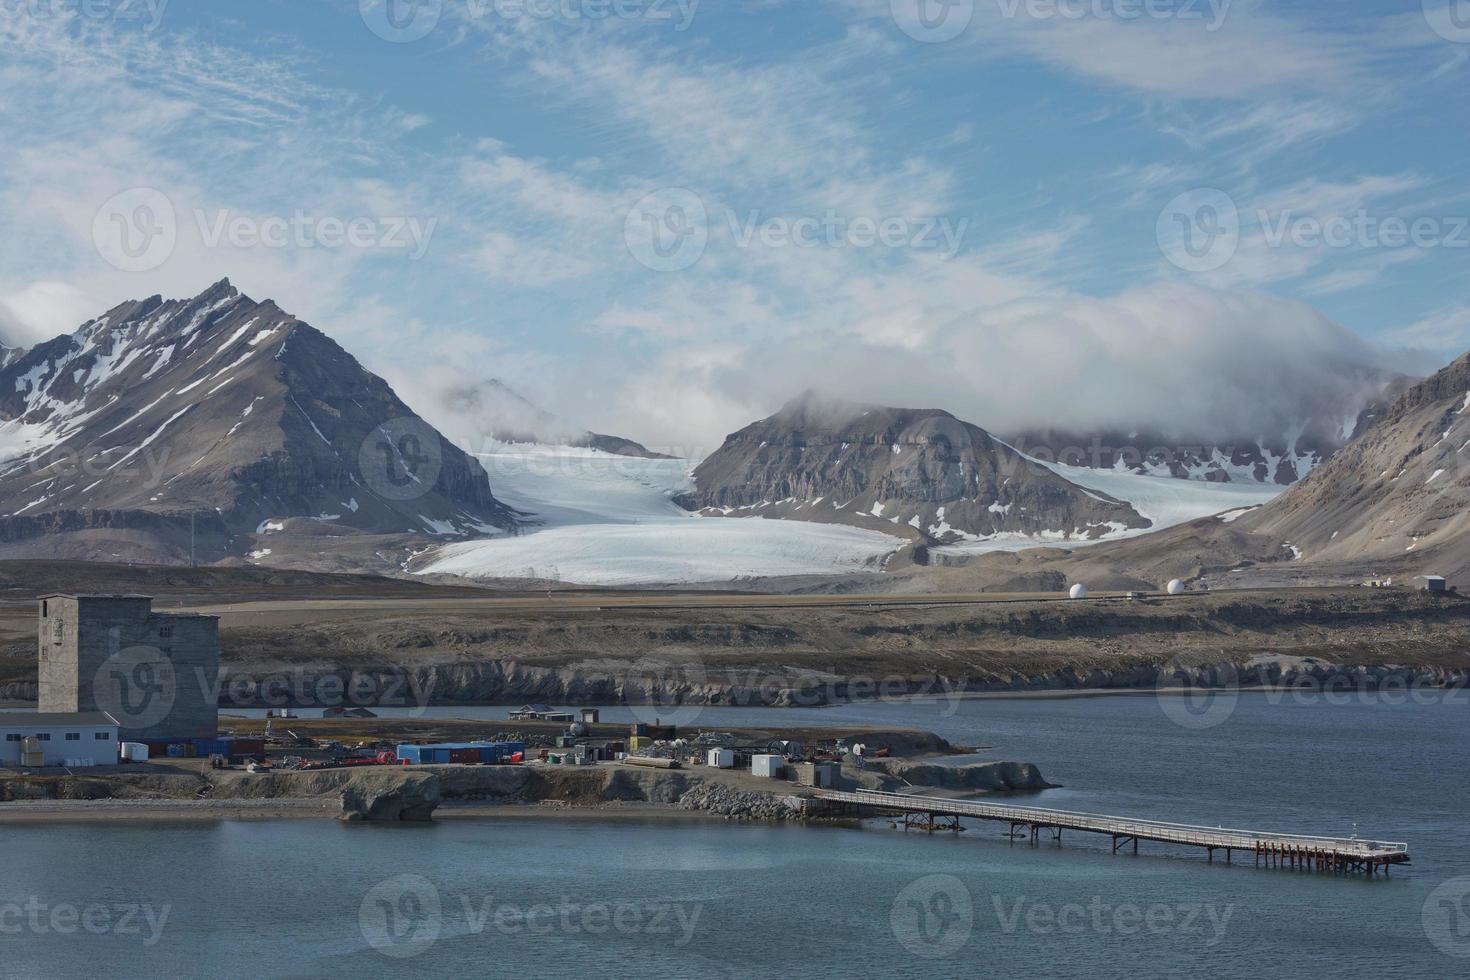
[(1305, 852)]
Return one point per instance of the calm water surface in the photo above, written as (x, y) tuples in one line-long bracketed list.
[(299, 898)]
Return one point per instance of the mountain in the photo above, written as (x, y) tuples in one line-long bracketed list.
[(920, 472), (1397, 495), (219, 419), (1393, 502), (1281, 458), (511, 417)]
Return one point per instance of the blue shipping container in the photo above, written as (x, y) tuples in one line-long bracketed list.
[(492, 752)]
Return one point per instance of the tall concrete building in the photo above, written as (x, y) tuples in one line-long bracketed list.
[(156, 673)]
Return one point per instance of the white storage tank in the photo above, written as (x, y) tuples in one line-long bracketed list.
[(769, 766), (722, 758), (1175, 587), (1079, 591)]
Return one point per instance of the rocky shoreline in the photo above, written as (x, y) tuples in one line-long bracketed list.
[(414, 794)]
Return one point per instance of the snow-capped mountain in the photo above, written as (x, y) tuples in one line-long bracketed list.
[(221, 414), (1278, 458), (923, 473)]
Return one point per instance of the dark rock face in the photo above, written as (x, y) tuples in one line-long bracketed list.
[(617, 446), (1281, 458), (391, 797), (1280, 461), (221, 415), (921, 472)]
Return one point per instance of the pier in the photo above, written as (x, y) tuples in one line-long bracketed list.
[(1344, 855)]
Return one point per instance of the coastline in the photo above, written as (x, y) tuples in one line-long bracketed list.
[(157, 809), (209, 811), (534, 791)]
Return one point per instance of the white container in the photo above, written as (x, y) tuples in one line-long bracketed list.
[(769, 766), (134, 751), (722, 758)]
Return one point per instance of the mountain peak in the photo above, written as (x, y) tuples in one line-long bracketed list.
[(919, 473), (228, 410)]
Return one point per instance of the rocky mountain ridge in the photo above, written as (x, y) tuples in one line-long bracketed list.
[(204, 425), (920, 472)]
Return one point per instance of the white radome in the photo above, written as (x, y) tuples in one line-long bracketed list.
[(1079, 591), (1175, 587)]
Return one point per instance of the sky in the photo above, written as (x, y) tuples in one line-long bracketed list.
[(663, 218)]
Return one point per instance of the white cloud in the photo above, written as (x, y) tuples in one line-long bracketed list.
[(41, 310), (1446, 332)]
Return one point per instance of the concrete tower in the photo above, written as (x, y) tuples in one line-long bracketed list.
[(156, 673)]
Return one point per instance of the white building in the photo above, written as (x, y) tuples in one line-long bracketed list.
[(80, 739)]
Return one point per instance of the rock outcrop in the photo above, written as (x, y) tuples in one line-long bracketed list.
[(994, 777), (391, 796)]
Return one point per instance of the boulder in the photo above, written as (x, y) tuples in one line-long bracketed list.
[(391, 796)]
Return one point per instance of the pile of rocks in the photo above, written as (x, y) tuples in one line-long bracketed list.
[(734, 803)]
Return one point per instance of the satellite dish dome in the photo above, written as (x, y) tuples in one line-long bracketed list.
[(1079, 591), (1175, 587)]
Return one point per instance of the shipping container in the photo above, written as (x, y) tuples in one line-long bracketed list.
[(246, 746), (769, 766), (463, 753)]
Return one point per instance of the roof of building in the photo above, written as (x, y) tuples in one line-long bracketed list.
[(96, 595), (53, 719)]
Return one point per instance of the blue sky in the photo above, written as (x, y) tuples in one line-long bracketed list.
[(1071, 211)]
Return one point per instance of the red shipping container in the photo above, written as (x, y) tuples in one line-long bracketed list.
[(247, 746), (465, 757)]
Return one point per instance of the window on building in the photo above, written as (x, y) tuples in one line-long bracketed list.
[(44, 736), (73, 736), (103, 736), (12, 738), (165, 632)]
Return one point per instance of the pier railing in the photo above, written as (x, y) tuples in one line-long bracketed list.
[(1119, 827)]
